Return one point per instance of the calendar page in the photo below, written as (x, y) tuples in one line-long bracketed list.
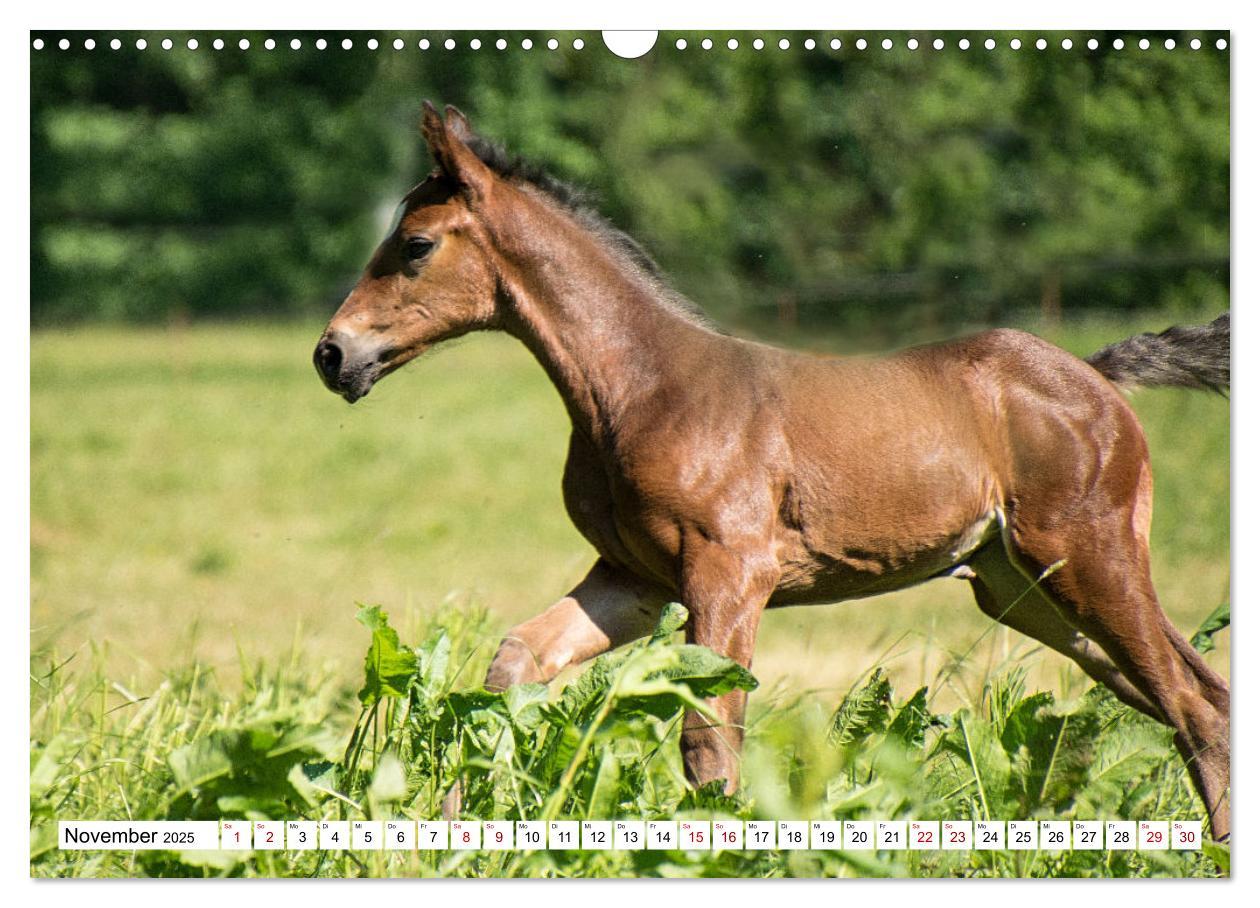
[(492, 453)]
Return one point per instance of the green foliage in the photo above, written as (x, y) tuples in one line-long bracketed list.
[(811, 186), (254, 771), (388, 667), (863, 712), (1211, 626), (603, 746)]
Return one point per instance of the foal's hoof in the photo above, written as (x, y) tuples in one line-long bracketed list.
[(513, 664)]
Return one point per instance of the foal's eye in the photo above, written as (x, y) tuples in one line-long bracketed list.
[(418, 248)]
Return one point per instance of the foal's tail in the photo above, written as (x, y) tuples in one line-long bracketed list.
[(1184, 356)]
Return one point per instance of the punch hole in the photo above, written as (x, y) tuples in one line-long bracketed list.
[(527, 43), (64, 44), (141, 44), (449, 43), (784, 44), (578, 44), (680, 44), (501, 44), (320, 44), (1195, 43), (1170, 44), (835, 44), (938, 44), (1118, 44), (191, 44), (167, 44), (346, 44), (1221, 44), (424, 44), (217, 44), (295, 44), (1066, 44), (861, 44), (886, 44), (398, 44), (115, 44), (475, 44), (758, 44), (1092, 44), (964, 44), (810, 44), (1015, 44), (1144, 44), (1042, 44), (38, 44), (732, 44), (552, 44), (269, 44), (913, 44), (89, 44), (707, 44), (989, 44), (373, 44)]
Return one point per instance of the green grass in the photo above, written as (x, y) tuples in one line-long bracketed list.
[(197, 490), (205, 517), (292, 743)]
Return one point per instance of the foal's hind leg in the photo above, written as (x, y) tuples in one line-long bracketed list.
[(1007, 594), (1104, 589), (608, 608)]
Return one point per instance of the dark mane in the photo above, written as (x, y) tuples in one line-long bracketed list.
[(573, 199), (580, 204)]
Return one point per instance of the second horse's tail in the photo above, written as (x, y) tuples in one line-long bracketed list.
[(1184, 356)]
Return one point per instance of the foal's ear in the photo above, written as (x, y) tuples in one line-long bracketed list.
[(447, 143)]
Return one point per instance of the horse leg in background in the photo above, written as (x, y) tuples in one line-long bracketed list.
[(1007, 594), (608, 608), (726, 593), (1106, 592)]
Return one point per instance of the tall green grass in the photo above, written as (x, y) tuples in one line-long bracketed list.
[(199, 501), (291, 743)]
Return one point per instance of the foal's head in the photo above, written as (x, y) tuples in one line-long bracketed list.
[(430, 280)]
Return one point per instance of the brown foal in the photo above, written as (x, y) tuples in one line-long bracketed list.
[(734, 476)]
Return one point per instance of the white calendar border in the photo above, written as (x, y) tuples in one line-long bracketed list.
[(666, 14)]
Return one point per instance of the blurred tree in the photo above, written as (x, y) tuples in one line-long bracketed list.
[(841, 186)]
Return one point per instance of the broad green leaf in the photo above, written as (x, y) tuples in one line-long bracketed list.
[(1211, 626), (673, 617), (662, 678), (432, 658), (388, 667), (1051, 753), (524, 704), (911, 722), (704, 672), (389, 781), (604, 797), (1219, 854), (200, 762), (864, 712), (247, 769), (46, 763)]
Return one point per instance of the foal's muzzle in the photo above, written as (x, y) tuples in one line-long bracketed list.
[(345, 367)]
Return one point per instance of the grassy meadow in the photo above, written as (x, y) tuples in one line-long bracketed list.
[(207, 520)]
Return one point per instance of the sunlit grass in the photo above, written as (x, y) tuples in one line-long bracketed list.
[(197, 488)]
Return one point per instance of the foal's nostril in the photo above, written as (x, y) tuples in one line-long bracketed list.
[(328, 361)]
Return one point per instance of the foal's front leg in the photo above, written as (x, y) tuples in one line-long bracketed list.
[(608, 608), (726, 591)]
